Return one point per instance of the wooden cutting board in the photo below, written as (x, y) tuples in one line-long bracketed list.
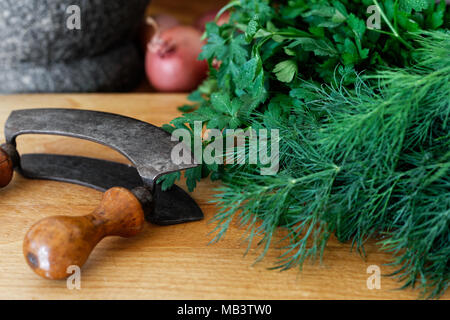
[(173, 262)]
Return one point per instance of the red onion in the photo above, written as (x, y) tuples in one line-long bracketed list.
[(171, 60), (211, 16), (161, 22)]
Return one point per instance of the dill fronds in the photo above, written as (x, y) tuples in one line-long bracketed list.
[(361, 163)]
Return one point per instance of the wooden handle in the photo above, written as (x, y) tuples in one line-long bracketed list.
[(53, 244), (6, 168)]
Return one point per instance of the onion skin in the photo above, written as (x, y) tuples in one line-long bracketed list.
[(147, 31), (171, 61)]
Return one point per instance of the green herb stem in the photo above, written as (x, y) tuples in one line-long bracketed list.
[(394, 31)]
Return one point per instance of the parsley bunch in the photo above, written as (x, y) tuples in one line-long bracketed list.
[(363, 115)]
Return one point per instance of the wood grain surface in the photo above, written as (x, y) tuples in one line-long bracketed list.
[(173, 262)]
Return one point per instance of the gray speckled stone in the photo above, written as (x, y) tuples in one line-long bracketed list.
[(38, 53), (119, 69)]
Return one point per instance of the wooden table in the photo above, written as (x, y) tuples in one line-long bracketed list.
[(173, 262)]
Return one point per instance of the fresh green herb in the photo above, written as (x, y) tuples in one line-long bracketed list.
[(363, 115)]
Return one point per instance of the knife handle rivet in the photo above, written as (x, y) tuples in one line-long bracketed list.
[(56, 243)]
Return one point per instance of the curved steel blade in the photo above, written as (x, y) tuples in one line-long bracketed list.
[(171, 207), (146, 146)]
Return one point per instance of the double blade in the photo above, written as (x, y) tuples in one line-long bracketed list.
[(146, 146), (170, 207)]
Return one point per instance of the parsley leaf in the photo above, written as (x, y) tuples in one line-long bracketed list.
[(409, 5), (286, 70)]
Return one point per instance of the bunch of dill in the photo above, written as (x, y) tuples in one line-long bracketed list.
[(360, 164), (361, 156)]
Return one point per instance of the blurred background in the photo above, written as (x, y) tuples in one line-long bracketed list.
[(103, 45), (187, 12), (193, 13)]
